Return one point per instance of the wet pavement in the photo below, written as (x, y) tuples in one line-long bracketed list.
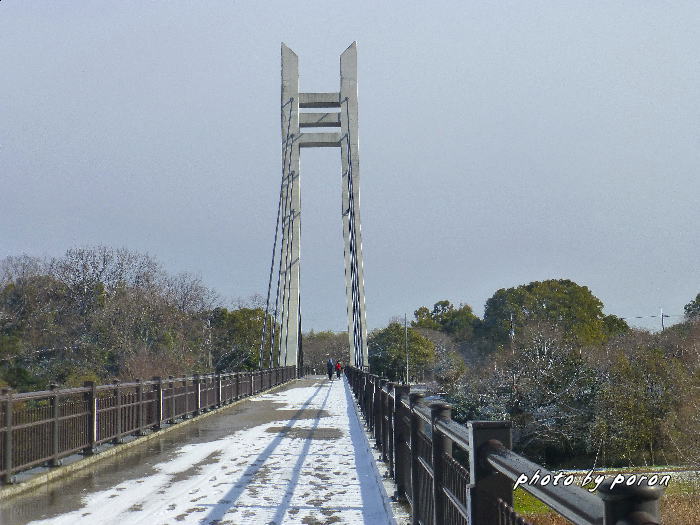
[(297, 455)]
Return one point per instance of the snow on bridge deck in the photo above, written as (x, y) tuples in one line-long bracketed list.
[(307, 463)]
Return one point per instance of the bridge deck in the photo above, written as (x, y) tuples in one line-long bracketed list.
[(297, 455)]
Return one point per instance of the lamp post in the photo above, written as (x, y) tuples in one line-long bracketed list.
[(405, 343)]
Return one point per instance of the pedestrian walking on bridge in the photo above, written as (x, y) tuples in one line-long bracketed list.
[(329, 366), (338, 368)]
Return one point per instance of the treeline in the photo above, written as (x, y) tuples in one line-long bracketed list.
[(318, 347), (581, 388), (101, 314)]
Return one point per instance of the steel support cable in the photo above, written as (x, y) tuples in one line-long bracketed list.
[(357, 337), (300, 349), (284, 245), (349, 275), (357, 297), (269, 283), (357, 330), (299, 345), (284, 313), (277, 291), (354, 266), (279, 272), (351, 253), (279, 295), (274, 245), (289, 293)]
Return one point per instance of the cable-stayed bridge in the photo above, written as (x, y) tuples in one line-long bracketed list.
[(276, 445), (301, 114)]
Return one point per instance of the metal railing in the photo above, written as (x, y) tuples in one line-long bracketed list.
[(454, 474), (41, 428)]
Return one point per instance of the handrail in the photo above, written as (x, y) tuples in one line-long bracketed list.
[(38, 428), (455, 432), (574, 503), (480, 491)]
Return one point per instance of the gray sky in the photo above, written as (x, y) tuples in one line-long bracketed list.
[(500, 142)]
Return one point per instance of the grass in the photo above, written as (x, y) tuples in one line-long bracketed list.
[(680, 505)]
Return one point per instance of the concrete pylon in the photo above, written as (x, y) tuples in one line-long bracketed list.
[(338, 110)]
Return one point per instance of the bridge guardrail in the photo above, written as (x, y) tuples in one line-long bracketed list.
[(38, 428), (454, 474)]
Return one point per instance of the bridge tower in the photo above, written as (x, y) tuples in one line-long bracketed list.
[(320, 110)]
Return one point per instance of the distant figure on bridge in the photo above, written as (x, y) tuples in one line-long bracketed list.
[(338, 368), (329, 366)]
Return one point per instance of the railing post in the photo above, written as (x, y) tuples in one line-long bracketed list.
[(238, 385), (382, 418), (186, 412), (441, 445), (142, 408), (211, 388), (118, 418), (55, 414), (219, 393), (389, 430), (415, 398), (91, 403), (369, 399), (488, 485), (630, 504), (172, 400), (400, 473), (197, 382), (159, 401), (378, 412), (375, 408), (362, 398), (372, 401), (7, 452)]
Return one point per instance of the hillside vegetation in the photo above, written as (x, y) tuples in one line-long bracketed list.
[(100, 313), (581, 388)]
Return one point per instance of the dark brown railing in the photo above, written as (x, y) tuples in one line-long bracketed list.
[(40, 428), (454, 474)]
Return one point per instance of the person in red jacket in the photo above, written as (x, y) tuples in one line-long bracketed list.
[(338, 368)]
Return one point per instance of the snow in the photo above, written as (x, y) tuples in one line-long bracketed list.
[(317, 470)]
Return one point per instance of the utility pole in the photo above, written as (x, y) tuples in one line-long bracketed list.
[(405, 342), (662, 318), (207, 342)]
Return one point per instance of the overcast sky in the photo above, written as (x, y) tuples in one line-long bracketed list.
[(500, 143)]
